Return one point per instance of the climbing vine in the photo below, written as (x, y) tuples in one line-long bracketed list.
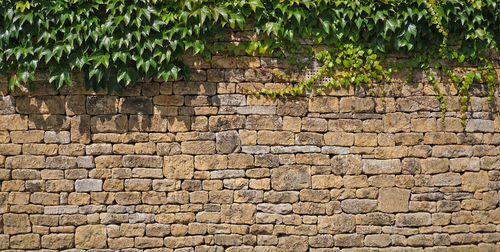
[(117, 42)]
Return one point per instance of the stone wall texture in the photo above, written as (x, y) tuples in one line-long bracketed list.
[(204, 166)]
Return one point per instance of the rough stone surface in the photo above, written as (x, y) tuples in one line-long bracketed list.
[(88, 185), (393, 200), (91, 237), (290, 178), (227, 142)]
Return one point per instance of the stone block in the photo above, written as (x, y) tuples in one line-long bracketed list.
[(357, 105), (179, 167), (13, 122), (357, 206), (16, 224), (136, 105), (293, 243), (41, 105), (61, 137), (393, 200), (413, 219), (198, 147), (396, 122), (290, 178), (142, 161), (480, 125), (7, 105), (91, 237), (109, 124), (435, 165), (25, 241), (88, 185), (102, 105), (446, 179), (339, 139), (61, 162), (226, 122), (264, 122), (348, 240), (229, 100), (227, 141), (265, 137), (210, 162), (373, 166), (323, 104), (238, 213), (475, 181), (58, 241), (256, 110), (292, 106), (148, 123), (25, 162)]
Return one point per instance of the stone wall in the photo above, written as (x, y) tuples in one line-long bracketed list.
[(202, 166)]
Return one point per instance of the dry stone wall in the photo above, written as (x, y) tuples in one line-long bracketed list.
[(203, 166)]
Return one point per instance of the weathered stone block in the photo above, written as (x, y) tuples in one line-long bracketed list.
[(480, 125), (265, 137), (446, 179), (377, 240), (25, 241), (314, 124), (464, 164), (393, 200), (229, 100), (142, 161), (211, 162), (264, 122), (396, 122), (13, 122), (88, 185), (179, 167), (372, 166), (227, 141), (339, 139), (475, 181), (348, 240), (238, 213), (290, 178), (292, 106), (61, 162), (136, 105), (357, 105), (194, 88), (323, 104), (434, 165), (358, 205), (16, 224), (293, 243), (25, 161), (147, 123), (90, 237), (58, 241), (7, 105), (101, 105), (41, 105), (256, 110), (198, 147), (109, 124), (413, 219), (62, 137)]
